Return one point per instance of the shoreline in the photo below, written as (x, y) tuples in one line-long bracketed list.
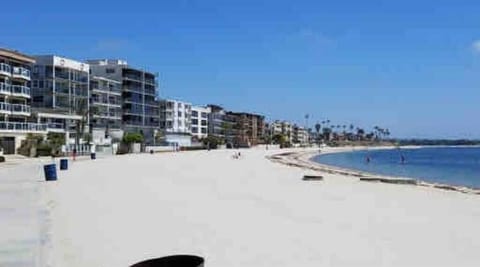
[(305, 160)]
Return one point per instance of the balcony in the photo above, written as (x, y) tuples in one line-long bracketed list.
[(5, 69), (21, 91), (22, 127), (5, 89), (21, 73), (19, 109), (55, 127), (5, 108)]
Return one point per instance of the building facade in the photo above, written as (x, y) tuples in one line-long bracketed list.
[(175, 121), (199, 122), (106, 110), (249, 128), (284, 128), (140, 109), (15, 100), (300, 135)]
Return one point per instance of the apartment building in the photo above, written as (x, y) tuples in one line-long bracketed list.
[(300, 135), (249, 128), (106, 110), (282, 127), (15, 100), (199, 122), (175, 121), (221, 124), (140, 109), (60, 94)]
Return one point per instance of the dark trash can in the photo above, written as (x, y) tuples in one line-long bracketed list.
[(50, 172), (173, 261), (93, 155), (64, 164)]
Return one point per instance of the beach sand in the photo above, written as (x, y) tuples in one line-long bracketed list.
[(249, 212)]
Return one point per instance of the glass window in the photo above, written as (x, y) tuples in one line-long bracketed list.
[(195, 121), (180, 114), (204, 123), (109, 70), (194, 130), (204, 115), (204, 130), (194, 113)]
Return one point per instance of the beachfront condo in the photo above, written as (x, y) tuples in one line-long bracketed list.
[(175, 122), (106, 110), (221, 124), (284, 128), (15, 97), (248, 128), (60, 95), (199, 122), (140, 109), (300, 135)]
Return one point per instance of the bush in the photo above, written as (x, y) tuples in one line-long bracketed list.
[(44, 150), (2, 159), (130, 138)]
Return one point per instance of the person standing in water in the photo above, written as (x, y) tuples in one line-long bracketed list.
[(367, 159), (402, 159)]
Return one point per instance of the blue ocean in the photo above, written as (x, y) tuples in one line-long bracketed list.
[(459, 166)]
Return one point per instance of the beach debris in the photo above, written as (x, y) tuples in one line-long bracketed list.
[(173, 261), (389, 180), (312, 177)]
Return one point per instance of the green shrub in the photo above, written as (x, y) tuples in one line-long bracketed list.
[(211, 142), (130, 138), (2, 159), (44, 150)]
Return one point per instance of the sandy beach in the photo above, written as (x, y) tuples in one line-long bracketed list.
[(247, 212)]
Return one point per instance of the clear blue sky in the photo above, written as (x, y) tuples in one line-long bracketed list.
[(410, 66)]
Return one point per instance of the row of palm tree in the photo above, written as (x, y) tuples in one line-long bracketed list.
[(325, 130)]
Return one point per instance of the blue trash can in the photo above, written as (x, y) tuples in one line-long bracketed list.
[(64, 164), (93, 156), (50, 172)]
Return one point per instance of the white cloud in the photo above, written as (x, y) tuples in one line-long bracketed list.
[(476, 46)]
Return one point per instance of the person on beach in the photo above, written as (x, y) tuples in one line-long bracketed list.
[(367, 160), (74, 153)]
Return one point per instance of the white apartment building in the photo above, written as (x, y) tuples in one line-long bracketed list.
[(300, 135), (199, 122), (282, 127), (175, 121)]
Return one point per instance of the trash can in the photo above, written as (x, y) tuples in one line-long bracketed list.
[(50, 172), (173, 261), (64, 164), (93, 155)]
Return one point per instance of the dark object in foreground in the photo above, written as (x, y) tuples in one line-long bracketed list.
[(312, 178), (173, 261), (93, 156), (50, 172)]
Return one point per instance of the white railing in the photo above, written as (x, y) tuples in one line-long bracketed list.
[(20, 90), (22, 126), (22, 72), (19, 108), (5, 88), (5, 107), (5, 68)]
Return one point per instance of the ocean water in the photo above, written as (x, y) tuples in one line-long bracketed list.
[(458, 166)]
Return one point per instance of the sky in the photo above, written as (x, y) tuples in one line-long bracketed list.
[(410, 66)]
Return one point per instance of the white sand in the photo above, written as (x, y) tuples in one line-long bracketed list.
[(250, 212)]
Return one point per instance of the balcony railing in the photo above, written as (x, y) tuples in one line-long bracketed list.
[(21, 73), (19, 108), (5, 69), (22, 126), (5, 107), (5, 89), (20, 90)]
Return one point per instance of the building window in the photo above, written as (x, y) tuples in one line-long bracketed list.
[(194, 130), (204, 130), (204, 115), (195, 121), (194, 113), (179, 114), (204, 123), (110, 71)]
